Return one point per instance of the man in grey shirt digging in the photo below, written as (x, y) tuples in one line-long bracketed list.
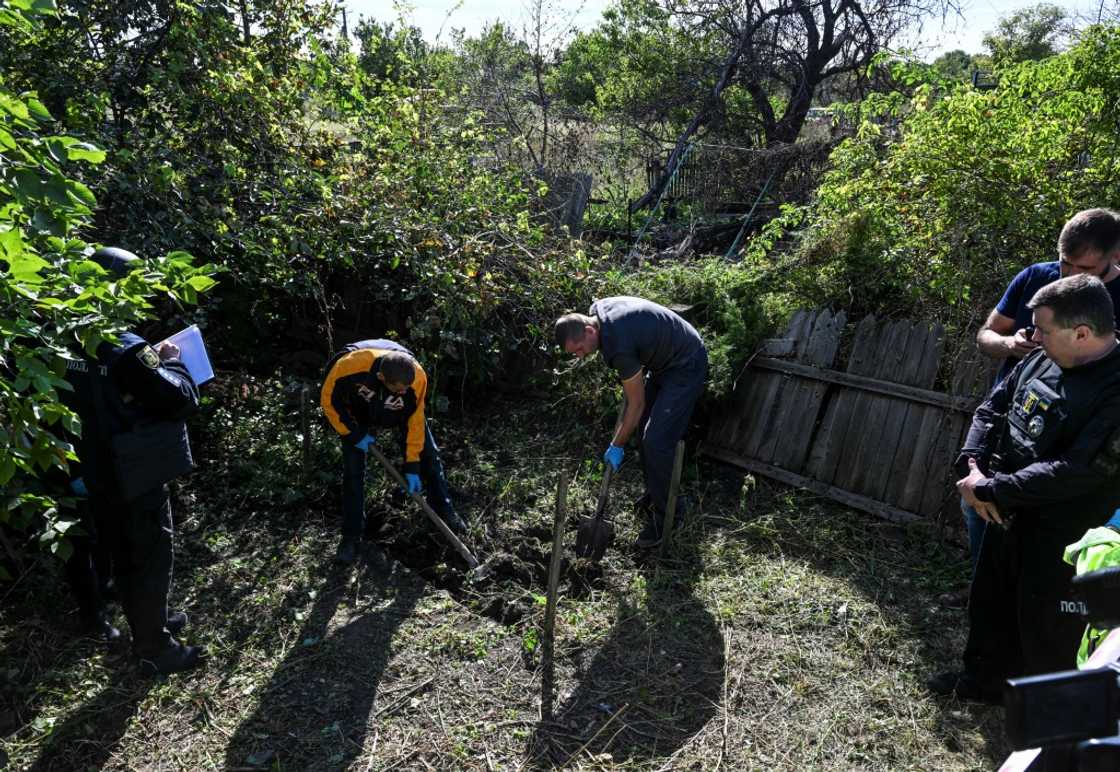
[(662, 364)]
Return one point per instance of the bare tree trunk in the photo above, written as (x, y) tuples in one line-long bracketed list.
[(245, 21), (701, 117)]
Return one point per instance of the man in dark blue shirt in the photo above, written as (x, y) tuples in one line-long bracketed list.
[(1089, 244), (662, 363)]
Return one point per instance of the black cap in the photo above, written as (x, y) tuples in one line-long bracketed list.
[(115, 260)]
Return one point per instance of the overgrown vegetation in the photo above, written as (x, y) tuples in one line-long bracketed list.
[(386, 185), (773, 602), (54, 302), (946, 191)]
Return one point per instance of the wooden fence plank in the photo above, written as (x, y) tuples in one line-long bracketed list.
[(862, 363), (807, 394), (825, 453), (750, 430), (937, 399), (816, 486), (938, 488), (919, 370), (876, 436), (800, 329), (909, 467), (908, 494), (867, 454)]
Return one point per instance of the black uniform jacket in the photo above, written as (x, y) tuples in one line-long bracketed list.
[(125, 384), (355, 400), (1049, 438)]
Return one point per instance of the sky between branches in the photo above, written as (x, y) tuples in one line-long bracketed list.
[(436, 18)]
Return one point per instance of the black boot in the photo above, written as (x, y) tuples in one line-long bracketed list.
[(965, 688), (176, 621), (649, 537), (174, 659), (97, 625)]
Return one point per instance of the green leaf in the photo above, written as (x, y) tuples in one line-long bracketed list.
[(81, 192), (38, 110), (83, 151), (201, 283), (25, 267), (11, 243)]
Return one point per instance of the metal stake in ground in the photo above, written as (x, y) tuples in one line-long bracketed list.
[(548, 674), (461, 548), (671, 504)]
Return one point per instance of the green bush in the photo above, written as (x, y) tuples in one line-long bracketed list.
[(942, 197), (726, 302), (54, 301)]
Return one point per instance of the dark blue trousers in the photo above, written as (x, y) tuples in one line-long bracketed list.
[(1021, 609), (354, 483), (670, 397), (140, 533), (90, 566)]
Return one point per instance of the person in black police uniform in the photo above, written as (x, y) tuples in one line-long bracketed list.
[(375, 384), (663, 365), (1040, 466), (127, 384)]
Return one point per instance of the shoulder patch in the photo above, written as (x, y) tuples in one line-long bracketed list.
[(148, 356)]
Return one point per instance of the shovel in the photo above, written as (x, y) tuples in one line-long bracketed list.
[(595, 533), (461, 548)]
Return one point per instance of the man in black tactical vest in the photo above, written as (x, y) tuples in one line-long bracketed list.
[(132, 400), (1040, 467)]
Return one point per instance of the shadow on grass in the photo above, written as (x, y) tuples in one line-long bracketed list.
[(653, 684), (46, 655), (320, 703), (91, 734), (900, 569)]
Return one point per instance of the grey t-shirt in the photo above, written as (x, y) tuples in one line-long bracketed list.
[(636, 333)]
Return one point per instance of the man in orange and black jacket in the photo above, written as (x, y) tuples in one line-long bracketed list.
[(371, 385)]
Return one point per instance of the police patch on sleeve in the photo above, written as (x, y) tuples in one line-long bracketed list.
[(1036, 426), (149, 357)]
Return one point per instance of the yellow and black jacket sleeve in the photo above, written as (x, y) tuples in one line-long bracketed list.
[(356, 402)]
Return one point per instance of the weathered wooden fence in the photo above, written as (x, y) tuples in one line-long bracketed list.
[(869, 430)]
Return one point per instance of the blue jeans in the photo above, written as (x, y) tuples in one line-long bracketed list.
[(976, 526), (354, 483)]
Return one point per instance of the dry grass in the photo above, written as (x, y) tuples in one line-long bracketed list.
[(785, 632)]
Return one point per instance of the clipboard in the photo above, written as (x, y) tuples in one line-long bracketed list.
[(192, 352)]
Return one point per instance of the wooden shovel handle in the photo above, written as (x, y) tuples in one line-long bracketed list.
[(608, 472), (448, 534)]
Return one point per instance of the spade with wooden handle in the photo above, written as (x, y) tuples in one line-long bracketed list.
[(595, 533), (448, 534)]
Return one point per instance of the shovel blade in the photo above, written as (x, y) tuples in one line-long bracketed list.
[(593, 537)]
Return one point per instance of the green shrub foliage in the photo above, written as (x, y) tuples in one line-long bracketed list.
[(944, 195), (55, 301)]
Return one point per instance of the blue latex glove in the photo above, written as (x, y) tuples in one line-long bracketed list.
[(364, 443), (413, 481), (613, 456), (78, 485)]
